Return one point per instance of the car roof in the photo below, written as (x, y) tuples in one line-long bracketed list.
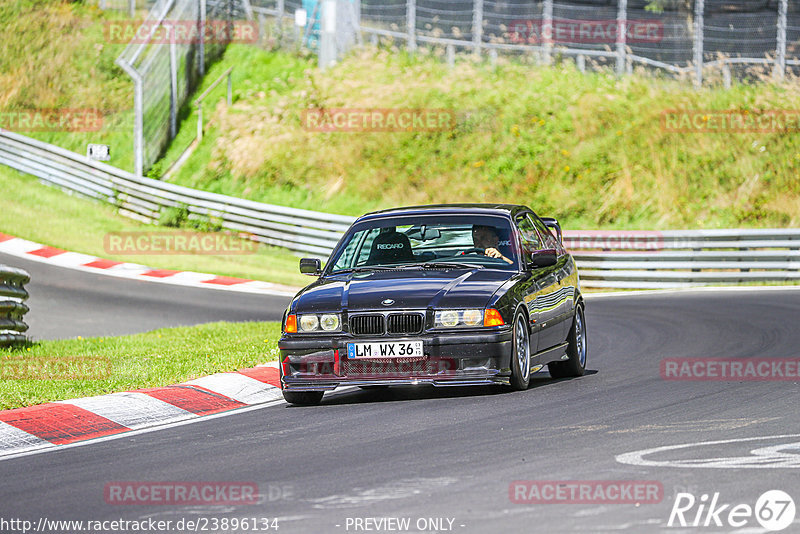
[(478, 209)]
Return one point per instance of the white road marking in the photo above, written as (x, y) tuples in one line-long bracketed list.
[(769, 457)]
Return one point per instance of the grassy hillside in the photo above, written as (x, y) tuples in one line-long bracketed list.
[(589, 149), (53, 55)]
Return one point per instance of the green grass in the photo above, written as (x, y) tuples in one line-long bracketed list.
[(48, 216), (54, 55), (589, 149), (112, 364)]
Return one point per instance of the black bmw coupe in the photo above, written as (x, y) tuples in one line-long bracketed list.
[(448, 295)]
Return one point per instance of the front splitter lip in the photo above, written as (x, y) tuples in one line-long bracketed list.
[(320, 385)]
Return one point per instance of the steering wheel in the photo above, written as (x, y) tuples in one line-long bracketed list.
[(473, 250)]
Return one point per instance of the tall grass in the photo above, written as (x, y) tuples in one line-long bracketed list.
[(587, 148)]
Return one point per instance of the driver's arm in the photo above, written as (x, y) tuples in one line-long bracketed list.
[(494, 253)]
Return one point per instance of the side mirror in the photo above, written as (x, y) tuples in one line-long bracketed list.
[(310, 266), (544, 258), (553, 225)]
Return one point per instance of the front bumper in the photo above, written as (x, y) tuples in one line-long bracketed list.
[(450, 359)]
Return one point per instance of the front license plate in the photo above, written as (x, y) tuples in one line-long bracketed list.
[(394, 349)]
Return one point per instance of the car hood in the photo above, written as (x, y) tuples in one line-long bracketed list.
[(409, 289)]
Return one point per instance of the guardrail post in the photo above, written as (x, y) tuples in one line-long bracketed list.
[(780, 65), (230, 89), (726, 75), (411, 24), (580, 61), (200, 121), (450, 52), (132, 8), (477, 26), (547, 31), (622, 37), (699, 8)]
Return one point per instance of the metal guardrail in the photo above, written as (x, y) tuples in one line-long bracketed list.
[(12, 309), (145, 199), (612, 259), (685, 258)]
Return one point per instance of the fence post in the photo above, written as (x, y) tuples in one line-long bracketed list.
[(477, 26), (138, 118), (327, 34), (451, 55), (698, 42), (547, 30), (780, 66), (411, 24), (132, 8), (580, 60), (622, 38), (202, 46), (281, 8), (173, 85)]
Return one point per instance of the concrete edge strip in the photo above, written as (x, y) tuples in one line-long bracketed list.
[(29, 250), (58, 424)]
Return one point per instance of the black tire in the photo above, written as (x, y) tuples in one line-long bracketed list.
[(520, 363), (577, 350), (303, 398)]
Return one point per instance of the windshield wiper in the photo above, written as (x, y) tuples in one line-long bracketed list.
[(368, 268), (449, 264)]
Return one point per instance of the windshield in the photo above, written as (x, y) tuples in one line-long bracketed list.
[(428, 241)]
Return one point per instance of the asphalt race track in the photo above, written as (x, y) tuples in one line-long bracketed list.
[(68, 303), (453, 453)]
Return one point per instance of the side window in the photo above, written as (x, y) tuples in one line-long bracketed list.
[(357, 250), (550, 241), (531, 242)]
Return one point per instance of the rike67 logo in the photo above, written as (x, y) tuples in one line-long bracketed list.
[(774, 510)]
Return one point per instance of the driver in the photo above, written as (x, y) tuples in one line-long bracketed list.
[(486, 238)]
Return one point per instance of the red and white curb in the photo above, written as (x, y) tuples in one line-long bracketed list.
[(61, 423), (29, 250)]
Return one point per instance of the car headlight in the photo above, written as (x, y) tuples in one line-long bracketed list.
[(329, 322), (312, 322), (472, 317), (309, 323), (455, 318)]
